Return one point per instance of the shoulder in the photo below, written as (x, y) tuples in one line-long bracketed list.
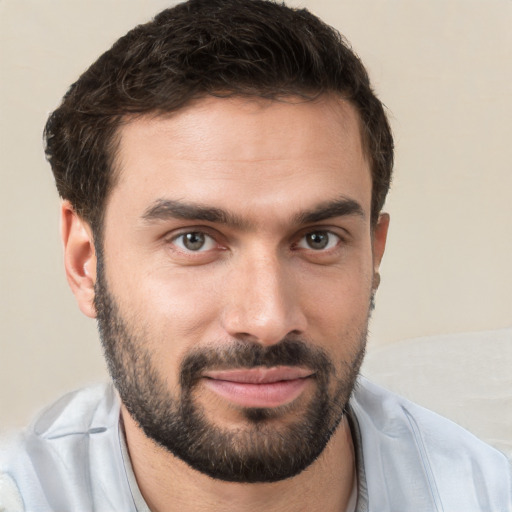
[(72, 414), (10, 498), (392, 414), (403, 443), (73, 444)]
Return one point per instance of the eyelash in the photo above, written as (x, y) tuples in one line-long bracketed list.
[(182, 236), (331, 237), (210, 241)]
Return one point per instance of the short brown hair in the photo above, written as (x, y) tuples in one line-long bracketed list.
[(199, 48)]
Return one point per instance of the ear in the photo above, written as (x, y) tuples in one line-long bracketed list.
[(380, 234), (79, 258)]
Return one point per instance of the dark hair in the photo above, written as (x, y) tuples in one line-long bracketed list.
[(199, 48)]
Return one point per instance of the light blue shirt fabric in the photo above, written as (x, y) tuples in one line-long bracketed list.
[(409, 459)]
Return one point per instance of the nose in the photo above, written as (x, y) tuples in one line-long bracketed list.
[(263, 303)]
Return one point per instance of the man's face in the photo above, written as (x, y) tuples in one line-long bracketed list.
[(234, 287)]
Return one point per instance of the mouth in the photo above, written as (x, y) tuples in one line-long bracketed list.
[(259, 387)]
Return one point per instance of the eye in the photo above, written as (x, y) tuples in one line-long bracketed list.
[(319, 240), (194, 241)]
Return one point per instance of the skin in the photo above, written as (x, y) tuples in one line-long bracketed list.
[(264, 162)]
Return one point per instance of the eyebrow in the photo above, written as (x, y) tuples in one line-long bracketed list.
[(342, 207), (165, 209)]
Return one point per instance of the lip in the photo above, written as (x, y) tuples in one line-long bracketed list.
[(258, 387)]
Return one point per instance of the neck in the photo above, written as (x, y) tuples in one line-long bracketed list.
[(167, 483)]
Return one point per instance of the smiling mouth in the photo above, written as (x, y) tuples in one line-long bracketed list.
[(259, 387)]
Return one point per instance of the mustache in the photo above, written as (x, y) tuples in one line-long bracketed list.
[(242, 354)]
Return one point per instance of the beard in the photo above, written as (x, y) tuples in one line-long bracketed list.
[(265, 447)]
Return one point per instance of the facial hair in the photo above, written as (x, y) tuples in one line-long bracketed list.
[(260, 449)]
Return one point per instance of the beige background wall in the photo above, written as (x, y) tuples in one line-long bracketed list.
[(443, 68)]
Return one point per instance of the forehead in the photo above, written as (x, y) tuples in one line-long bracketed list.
[(235, 119), (262, 150)]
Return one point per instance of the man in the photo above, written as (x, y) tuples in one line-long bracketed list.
[(223, 170)]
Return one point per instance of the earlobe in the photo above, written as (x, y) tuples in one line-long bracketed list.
[(79, 258), (380, 234)]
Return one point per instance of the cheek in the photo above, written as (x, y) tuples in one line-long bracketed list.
[(340, 296), (177, 309), (338, 315), (341, 319), (186, 304), (171, 309)]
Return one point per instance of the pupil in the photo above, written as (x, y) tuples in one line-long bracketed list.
[(193, 241), (318, 240)]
